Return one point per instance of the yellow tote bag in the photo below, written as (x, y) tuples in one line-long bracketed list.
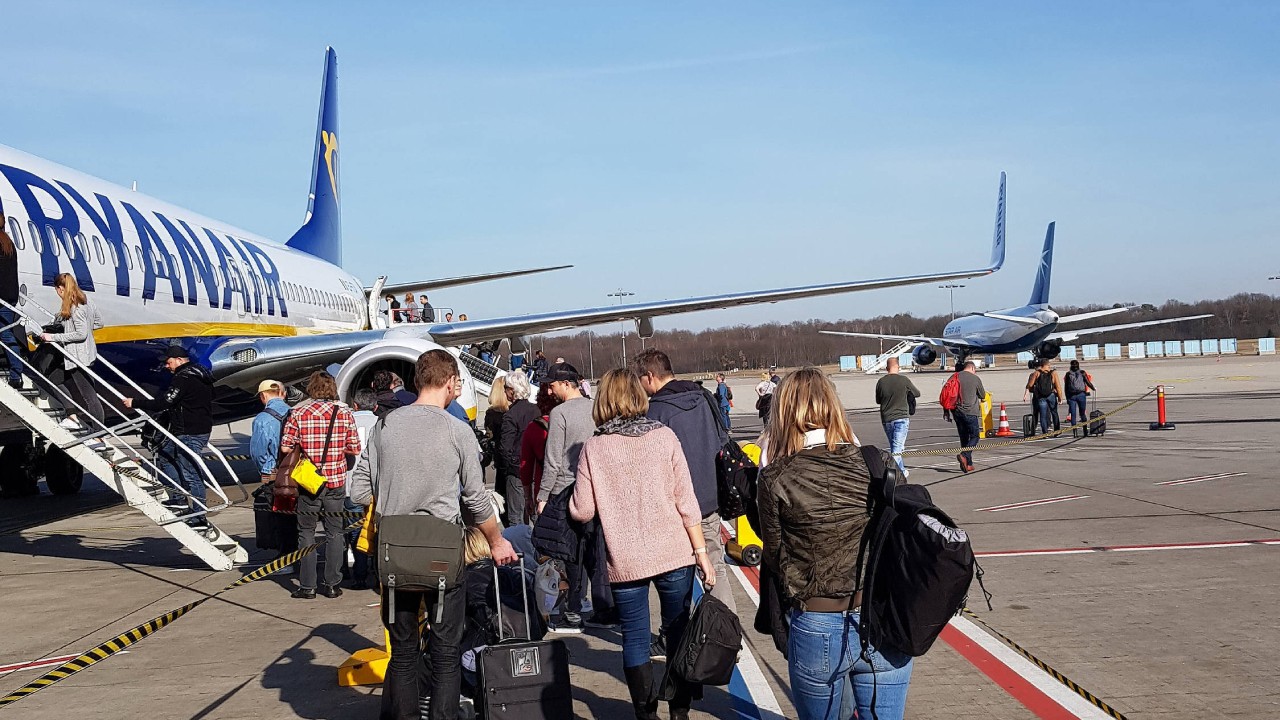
[(308, 476)]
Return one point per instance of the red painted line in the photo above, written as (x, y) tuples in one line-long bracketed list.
[(33, 664), (1031, 697), (1129, 548)]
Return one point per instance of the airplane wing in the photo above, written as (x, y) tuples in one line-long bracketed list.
[(1073, 334), (1092, 315), (921, 339), (1014, 319), (461, 333), (425, 285)]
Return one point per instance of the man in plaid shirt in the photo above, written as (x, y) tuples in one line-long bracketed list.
[(308, 426)]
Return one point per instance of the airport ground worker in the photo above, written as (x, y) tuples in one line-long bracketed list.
[(632, 474), (1046, 393), (896, 396), (326, 431), (1077, 384), (968, 412), (813, 511), (423, 462)]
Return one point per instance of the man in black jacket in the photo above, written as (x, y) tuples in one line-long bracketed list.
[(519, 414), (187, 406), (687, 409)]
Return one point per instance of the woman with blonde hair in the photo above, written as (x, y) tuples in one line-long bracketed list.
[(632, 475), (79, 319), (498, 406), (813, 510)]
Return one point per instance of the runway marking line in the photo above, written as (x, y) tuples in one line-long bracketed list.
[(1029, 685), (1031, 503), (1128, 548), (1202, 478)]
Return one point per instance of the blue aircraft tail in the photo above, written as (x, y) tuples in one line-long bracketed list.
[(321, 233), (1040, 291)]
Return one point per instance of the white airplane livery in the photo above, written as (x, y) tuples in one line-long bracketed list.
[(249, 308), (1032, 327)]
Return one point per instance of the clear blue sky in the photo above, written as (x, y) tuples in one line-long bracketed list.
[(690, 148)]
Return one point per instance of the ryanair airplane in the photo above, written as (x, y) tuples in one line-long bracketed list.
[(249, 308)]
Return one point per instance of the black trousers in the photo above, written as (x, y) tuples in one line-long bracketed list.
[(440, 677), (592, 563)]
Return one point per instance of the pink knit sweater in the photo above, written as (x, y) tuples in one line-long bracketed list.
[(641, 490)]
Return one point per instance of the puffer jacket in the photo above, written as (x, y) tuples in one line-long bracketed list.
[(813, 509)]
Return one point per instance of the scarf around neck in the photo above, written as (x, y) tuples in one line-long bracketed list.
[(629, 427)]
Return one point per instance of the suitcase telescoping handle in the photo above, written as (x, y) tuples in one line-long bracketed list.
[(524, 592)]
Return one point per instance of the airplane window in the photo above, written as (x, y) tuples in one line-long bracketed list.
[(15, 233), (142, 261), (177, 268), (69, 243), (115, 256), (97, 250), (53, 240), (37, 242), (81, 245)]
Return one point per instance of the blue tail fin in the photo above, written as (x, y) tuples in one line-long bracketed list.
[(321, 234), (1040, 291)]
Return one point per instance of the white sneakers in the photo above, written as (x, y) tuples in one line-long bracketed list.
[(71, 424)]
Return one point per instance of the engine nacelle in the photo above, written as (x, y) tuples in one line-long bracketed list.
[(924, 355), (1047, 350), (400, 356)]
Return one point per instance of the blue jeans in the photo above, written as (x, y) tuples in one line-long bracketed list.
[(675, 589), (823, 663), (724, 417), (180, 467), (1047, 409), (1078, 405), (15, 339), (896, 431), (968, 427)]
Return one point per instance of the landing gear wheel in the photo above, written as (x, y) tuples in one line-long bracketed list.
[(751, 555), (63, 475), (17, 475)]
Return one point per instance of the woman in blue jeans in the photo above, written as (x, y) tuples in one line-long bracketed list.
[(632, 475), (813, 510)]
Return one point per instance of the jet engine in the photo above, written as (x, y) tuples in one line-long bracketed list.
[(1049, 349), (924, 355), (400, 356)]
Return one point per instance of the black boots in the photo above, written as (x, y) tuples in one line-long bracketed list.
[(640, 683)]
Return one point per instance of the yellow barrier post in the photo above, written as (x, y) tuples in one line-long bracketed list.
[(987, 422), (368, 666)]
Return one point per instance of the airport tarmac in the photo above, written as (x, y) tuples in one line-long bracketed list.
[(1142, 565)]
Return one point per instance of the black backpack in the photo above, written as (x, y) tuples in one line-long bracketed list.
[(1044, 384), (736, 476), (708, 651), (919, 565)]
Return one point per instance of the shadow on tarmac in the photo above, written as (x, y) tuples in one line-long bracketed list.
[(309, 688)]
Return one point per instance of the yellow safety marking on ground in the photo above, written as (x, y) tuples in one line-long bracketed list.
[(150, 627), (1237, 377)]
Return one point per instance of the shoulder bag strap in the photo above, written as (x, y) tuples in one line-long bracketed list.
[(324, 454)]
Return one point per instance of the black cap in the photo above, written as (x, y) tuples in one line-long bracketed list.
[(564, 372), (177, 351)]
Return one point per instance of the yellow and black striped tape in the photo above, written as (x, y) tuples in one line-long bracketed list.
[(130, 637), (1073, 685), (1020, 441)]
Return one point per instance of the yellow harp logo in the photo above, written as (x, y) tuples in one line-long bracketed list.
[(330, 141)]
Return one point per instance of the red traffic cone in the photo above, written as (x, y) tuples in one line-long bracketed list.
[(1004, 430)]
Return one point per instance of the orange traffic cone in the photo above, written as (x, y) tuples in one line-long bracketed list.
[(1004, 430)]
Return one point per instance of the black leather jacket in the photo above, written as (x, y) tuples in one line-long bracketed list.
[(813, 509)]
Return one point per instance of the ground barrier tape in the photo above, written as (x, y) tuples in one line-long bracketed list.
[(982, 447), (130, 637), (1071, 684)]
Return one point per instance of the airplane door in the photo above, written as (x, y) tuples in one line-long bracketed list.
[(376, 318)]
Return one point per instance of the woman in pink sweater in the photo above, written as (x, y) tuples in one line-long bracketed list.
[(633, 476)]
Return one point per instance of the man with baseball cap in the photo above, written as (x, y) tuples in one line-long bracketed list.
[(188, 408), (264, 448)]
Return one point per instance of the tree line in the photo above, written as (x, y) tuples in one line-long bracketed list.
[(1246, 315)]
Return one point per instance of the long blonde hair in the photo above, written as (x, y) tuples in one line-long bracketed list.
[(475, 546), (805, 400), (498, 395), (72, 295)]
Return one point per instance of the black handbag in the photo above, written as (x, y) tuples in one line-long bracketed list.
[(708, 651)]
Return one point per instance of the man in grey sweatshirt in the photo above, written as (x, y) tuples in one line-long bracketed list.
[(419, 460)]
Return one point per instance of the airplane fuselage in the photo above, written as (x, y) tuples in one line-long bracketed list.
[(994, 335)]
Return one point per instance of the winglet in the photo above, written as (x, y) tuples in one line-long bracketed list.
[(321, 233), (997, 241), (1040, 291)]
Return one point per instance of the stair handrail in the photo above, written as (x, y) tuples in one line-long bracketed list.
[(208, 479)]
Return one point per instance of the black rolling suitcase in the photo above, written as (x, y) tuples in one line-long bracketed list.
[(1097, 420), (1028, 425), (522, 680)]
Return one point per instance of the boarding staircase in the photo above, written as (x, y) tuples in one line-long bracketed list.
[(102, 450), (895, 351), (484, 374)]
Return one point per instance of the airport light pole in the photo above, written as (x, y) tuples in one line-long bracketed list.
[(621, 295), (951, 287), (591, 357)]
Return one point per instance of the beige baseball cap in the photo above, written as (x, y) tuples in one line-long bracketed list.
[(270, 386)]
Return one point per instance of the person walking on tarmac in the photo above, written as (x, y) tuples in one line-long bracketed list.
[(188, 408), (1046, 393), (813, 512), (896, 395), (326, 431), (724, 399), (424, 462), (968, 412), (632, 474), (264, 448), (520, 412), (1078, 384)]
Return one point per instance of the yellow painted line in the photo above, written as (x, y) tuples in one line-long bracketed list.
[(157, 331)]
